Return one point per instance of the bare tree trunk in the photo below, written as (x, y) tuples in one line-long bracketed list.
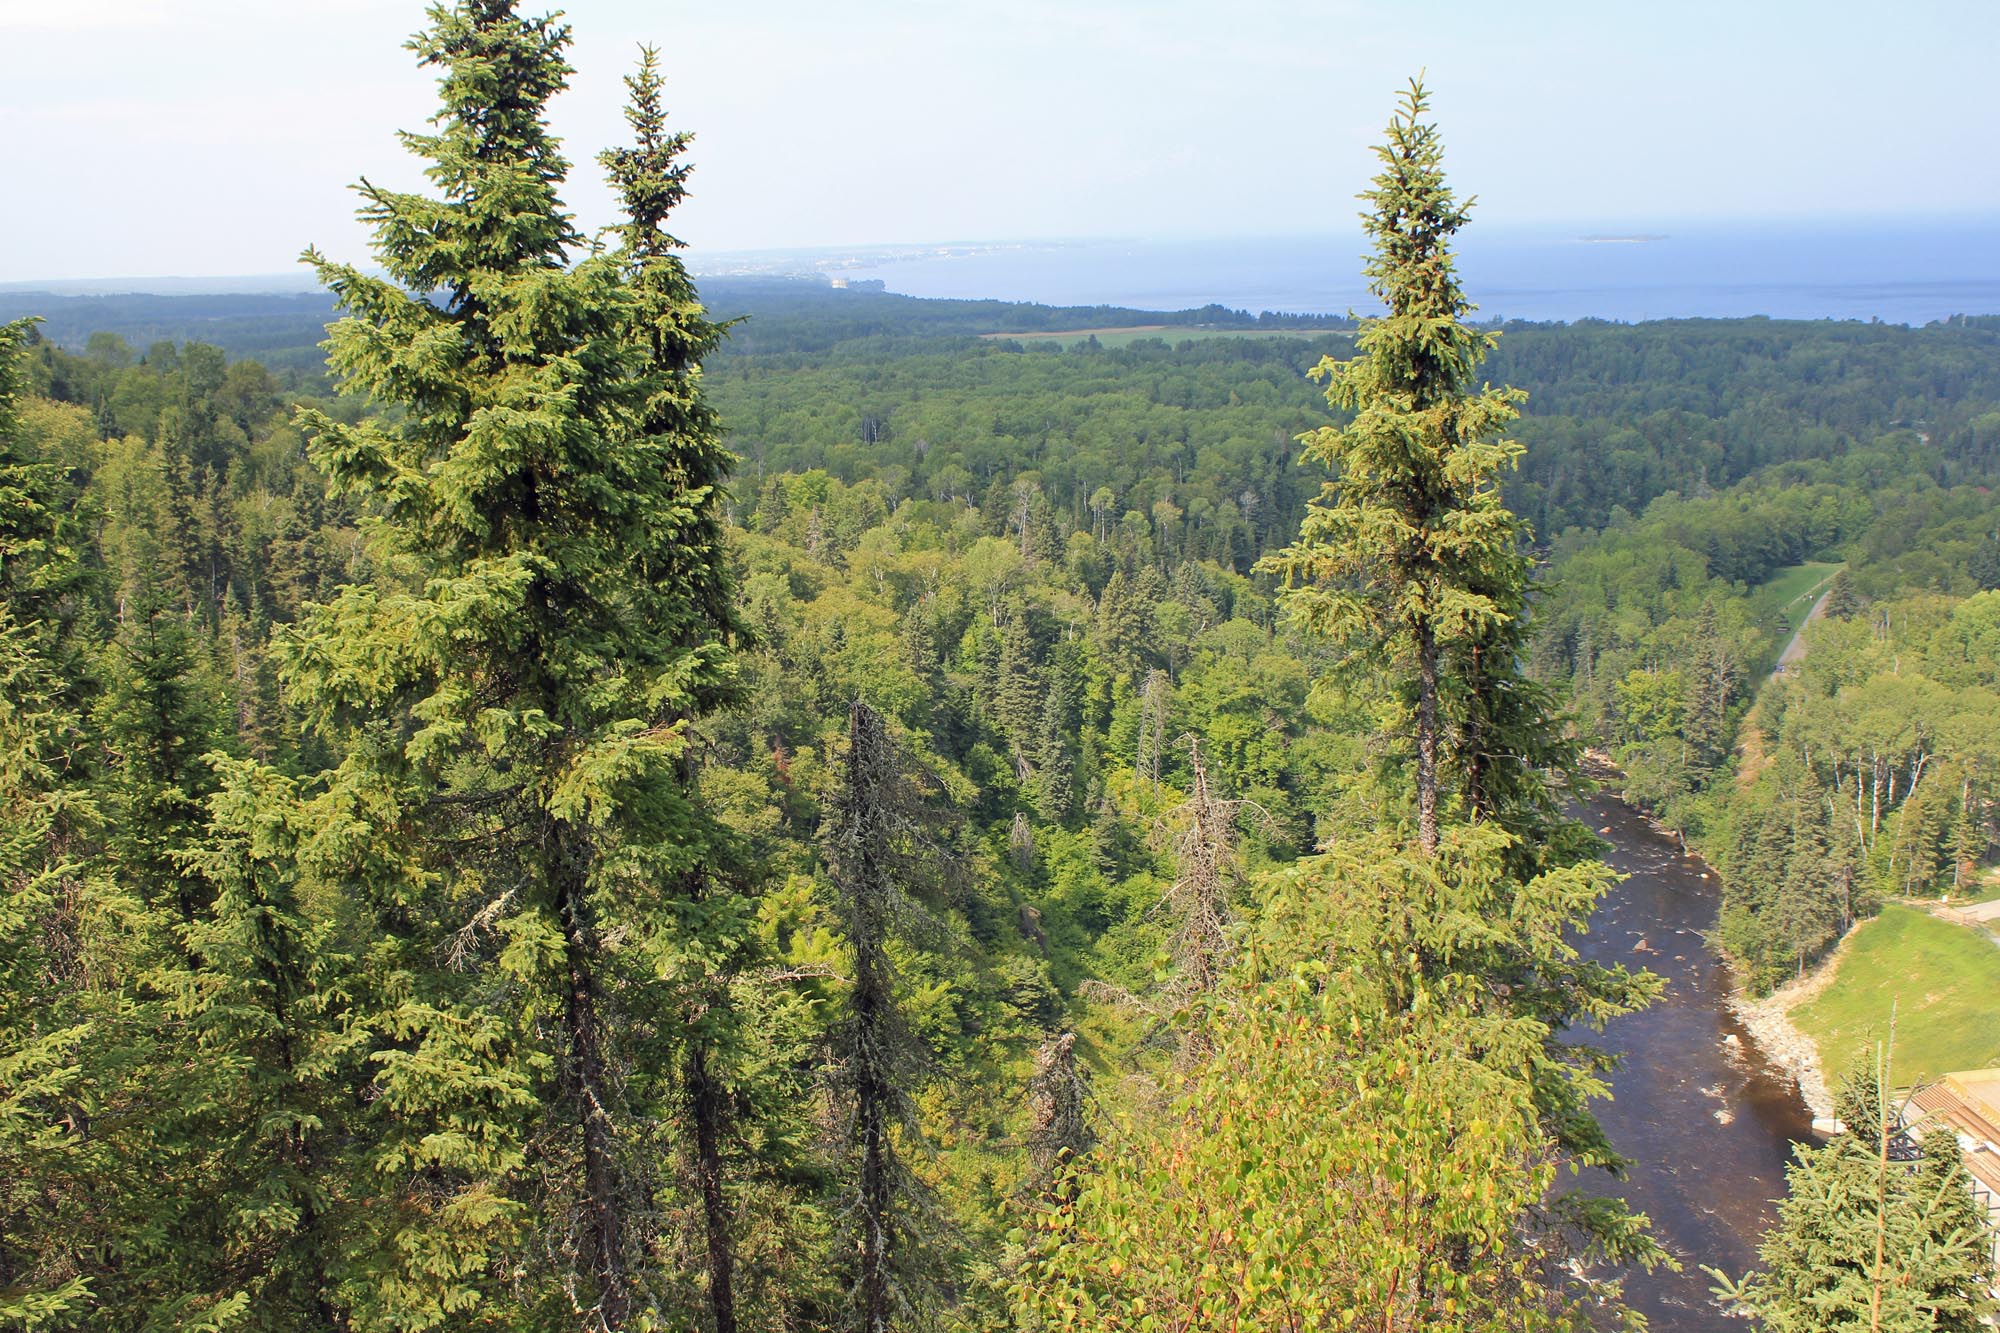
[(886, 840), (705, 1100), (872, 1095), (1152, 726), (1204, 851), (1875, 800), (590, 1086), (872, 1016), (1059, 1130), (1427, 713)]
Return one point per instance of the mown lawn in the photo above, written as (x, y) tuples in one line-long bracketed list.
[(1944, 980), (1171, 334), (1786, 592)]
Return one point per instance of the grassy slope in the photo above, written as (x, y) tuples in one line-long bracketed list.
[(1172, 335), (1942, 978), (1787, 591)]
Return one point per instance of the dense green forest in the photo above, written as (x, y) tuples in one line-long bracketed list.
[(1864, 770), (567, 809)]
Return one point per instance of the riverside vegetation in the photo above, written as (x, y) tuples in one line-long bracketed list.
[(987, 842)]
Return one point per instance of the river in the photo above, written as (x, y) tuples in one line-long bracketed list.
[(1708, 1123)]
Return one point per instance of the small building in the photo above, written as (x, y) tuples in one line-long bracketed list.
[(1968, 1104)]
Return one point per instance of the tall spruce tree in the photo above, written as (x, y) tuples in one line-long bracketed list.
[(1407, 554), (44, 1155), (512, 828), (161, 714), (674, 328), (1807, 906), (1410, 559), (258, 1065), (43, 576), (1841, 601), (1712, 683)]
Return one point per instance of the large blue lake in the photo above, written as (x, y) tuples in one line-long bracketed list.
[(1905, 273)]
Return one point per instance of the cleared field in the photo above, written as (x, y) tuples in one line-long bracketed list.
[(1169, 333), (1792, 591), (1944, 981)]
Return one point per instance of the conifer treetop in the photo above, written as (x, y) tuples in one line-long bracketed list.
[(650, 176), (553, 464), (491, 154), (1408, 531), (1423, 348)]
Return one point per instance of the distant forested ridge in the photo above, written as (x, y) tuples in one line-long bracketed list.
[(844, 381), (780, 315)]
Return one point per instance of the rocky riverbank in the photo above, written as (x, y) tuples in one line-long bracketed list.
[(1769, 1022)]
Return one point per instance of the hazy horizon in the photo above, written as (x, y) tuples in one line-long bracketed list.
[(1900, 271), (220, 137), (299, 278)]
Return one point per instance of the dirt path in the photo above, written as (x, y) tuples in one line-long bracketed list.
[(1983, 917)]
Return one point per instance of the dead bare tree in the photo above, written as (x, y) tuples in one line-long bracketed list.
[(1058, 1115), (887, 845), (1153, 706), (1203, 829)]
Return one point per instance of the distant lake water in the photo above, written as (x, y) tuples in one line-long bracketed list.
[(1910, 273)]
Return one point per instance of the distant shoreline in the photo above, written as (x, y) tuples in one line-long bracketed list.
[(1899, 274)]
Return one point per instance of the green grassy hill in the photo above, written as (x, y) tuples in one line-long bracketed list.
[(1941, 978)]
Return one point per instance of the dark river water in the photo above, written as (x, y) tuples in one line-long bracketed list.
[(1709, 1125)]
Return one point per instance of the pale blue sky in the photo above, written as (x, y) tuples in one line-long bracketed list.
[(204, 137)]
